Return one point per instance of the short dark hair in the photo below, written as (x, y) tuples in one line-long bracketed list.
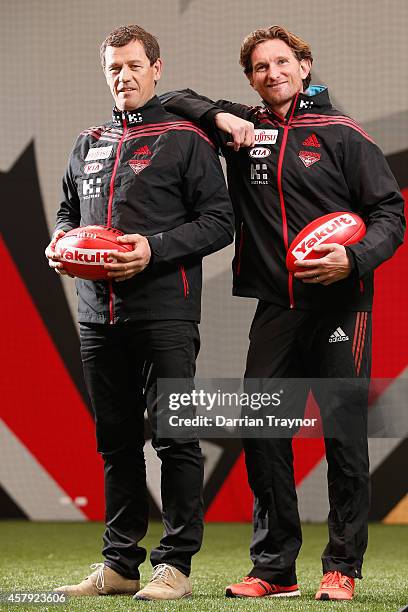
[(125, 34), (300, 48)]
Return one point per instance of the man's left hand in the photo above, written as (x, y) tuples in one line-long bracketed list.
[(130, 263), (329, 269)]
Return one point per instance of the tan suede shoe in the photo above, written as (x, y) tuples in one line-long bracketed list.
[(167, 582), (102, 581)]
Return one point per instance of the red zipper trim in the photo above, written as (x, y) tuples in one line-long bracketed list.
[(241, 242), (111, 307), (109, 219), (361, 286), (185, 282), (282, 200), (112, 181)]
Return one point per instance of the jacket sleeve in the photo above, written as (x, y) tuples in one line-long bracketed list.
[(210, 218), (69, 213), (191, 105), (377, 198)]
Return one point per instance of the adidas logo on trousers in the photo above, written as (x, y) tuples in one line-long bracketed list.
[(338, 336)]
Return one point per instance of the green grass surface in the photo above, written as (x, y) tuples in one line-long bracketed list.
[(40, 556)]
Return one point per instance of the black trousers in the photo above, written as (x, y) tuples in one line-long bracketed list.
[(121, 365), (303, 344)]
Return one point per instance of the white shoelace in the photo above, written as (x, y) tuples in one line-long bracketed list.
[(100, 577), (161, 572)]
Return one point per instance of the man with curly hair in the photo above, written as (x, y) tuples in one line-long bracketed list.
[(291, 160)]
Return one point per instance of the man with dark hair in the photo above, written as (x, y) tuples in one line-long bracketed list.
[(158, 179), (131, 33), (308, 160)]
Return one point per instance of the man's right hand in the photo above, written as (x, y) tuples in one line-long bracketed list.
[(53, 260), (242, 132)]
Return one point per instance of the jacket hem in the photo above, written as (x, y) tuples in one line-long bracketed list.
[(363, 306), (145, 315)]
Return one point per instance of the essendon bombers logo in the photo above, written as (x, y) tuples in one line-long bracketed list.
[(88, 257), (321, 233), (309, 157), (138, 165)]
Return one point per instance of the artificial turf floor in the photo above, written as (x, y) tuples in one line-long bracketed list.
[(40, 556)]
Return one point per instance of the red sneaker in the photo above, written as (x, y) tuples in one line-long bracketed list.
[(255, 587), (335, 585)]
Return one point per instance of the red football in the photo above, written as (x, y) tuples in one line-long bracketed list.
[(84, 250), (339, 227)]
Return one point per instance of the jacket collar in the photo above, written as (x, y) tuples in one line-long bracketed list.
[(149, 113), (314, 100)]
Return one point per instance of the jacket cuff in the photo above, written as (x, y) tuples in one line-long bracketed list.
[(155, 243), (352, 260), (208, 119), (65, 227)]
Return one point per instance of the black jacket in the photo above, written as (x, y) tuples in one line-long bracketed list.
[(313, 162), (152, 173)]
